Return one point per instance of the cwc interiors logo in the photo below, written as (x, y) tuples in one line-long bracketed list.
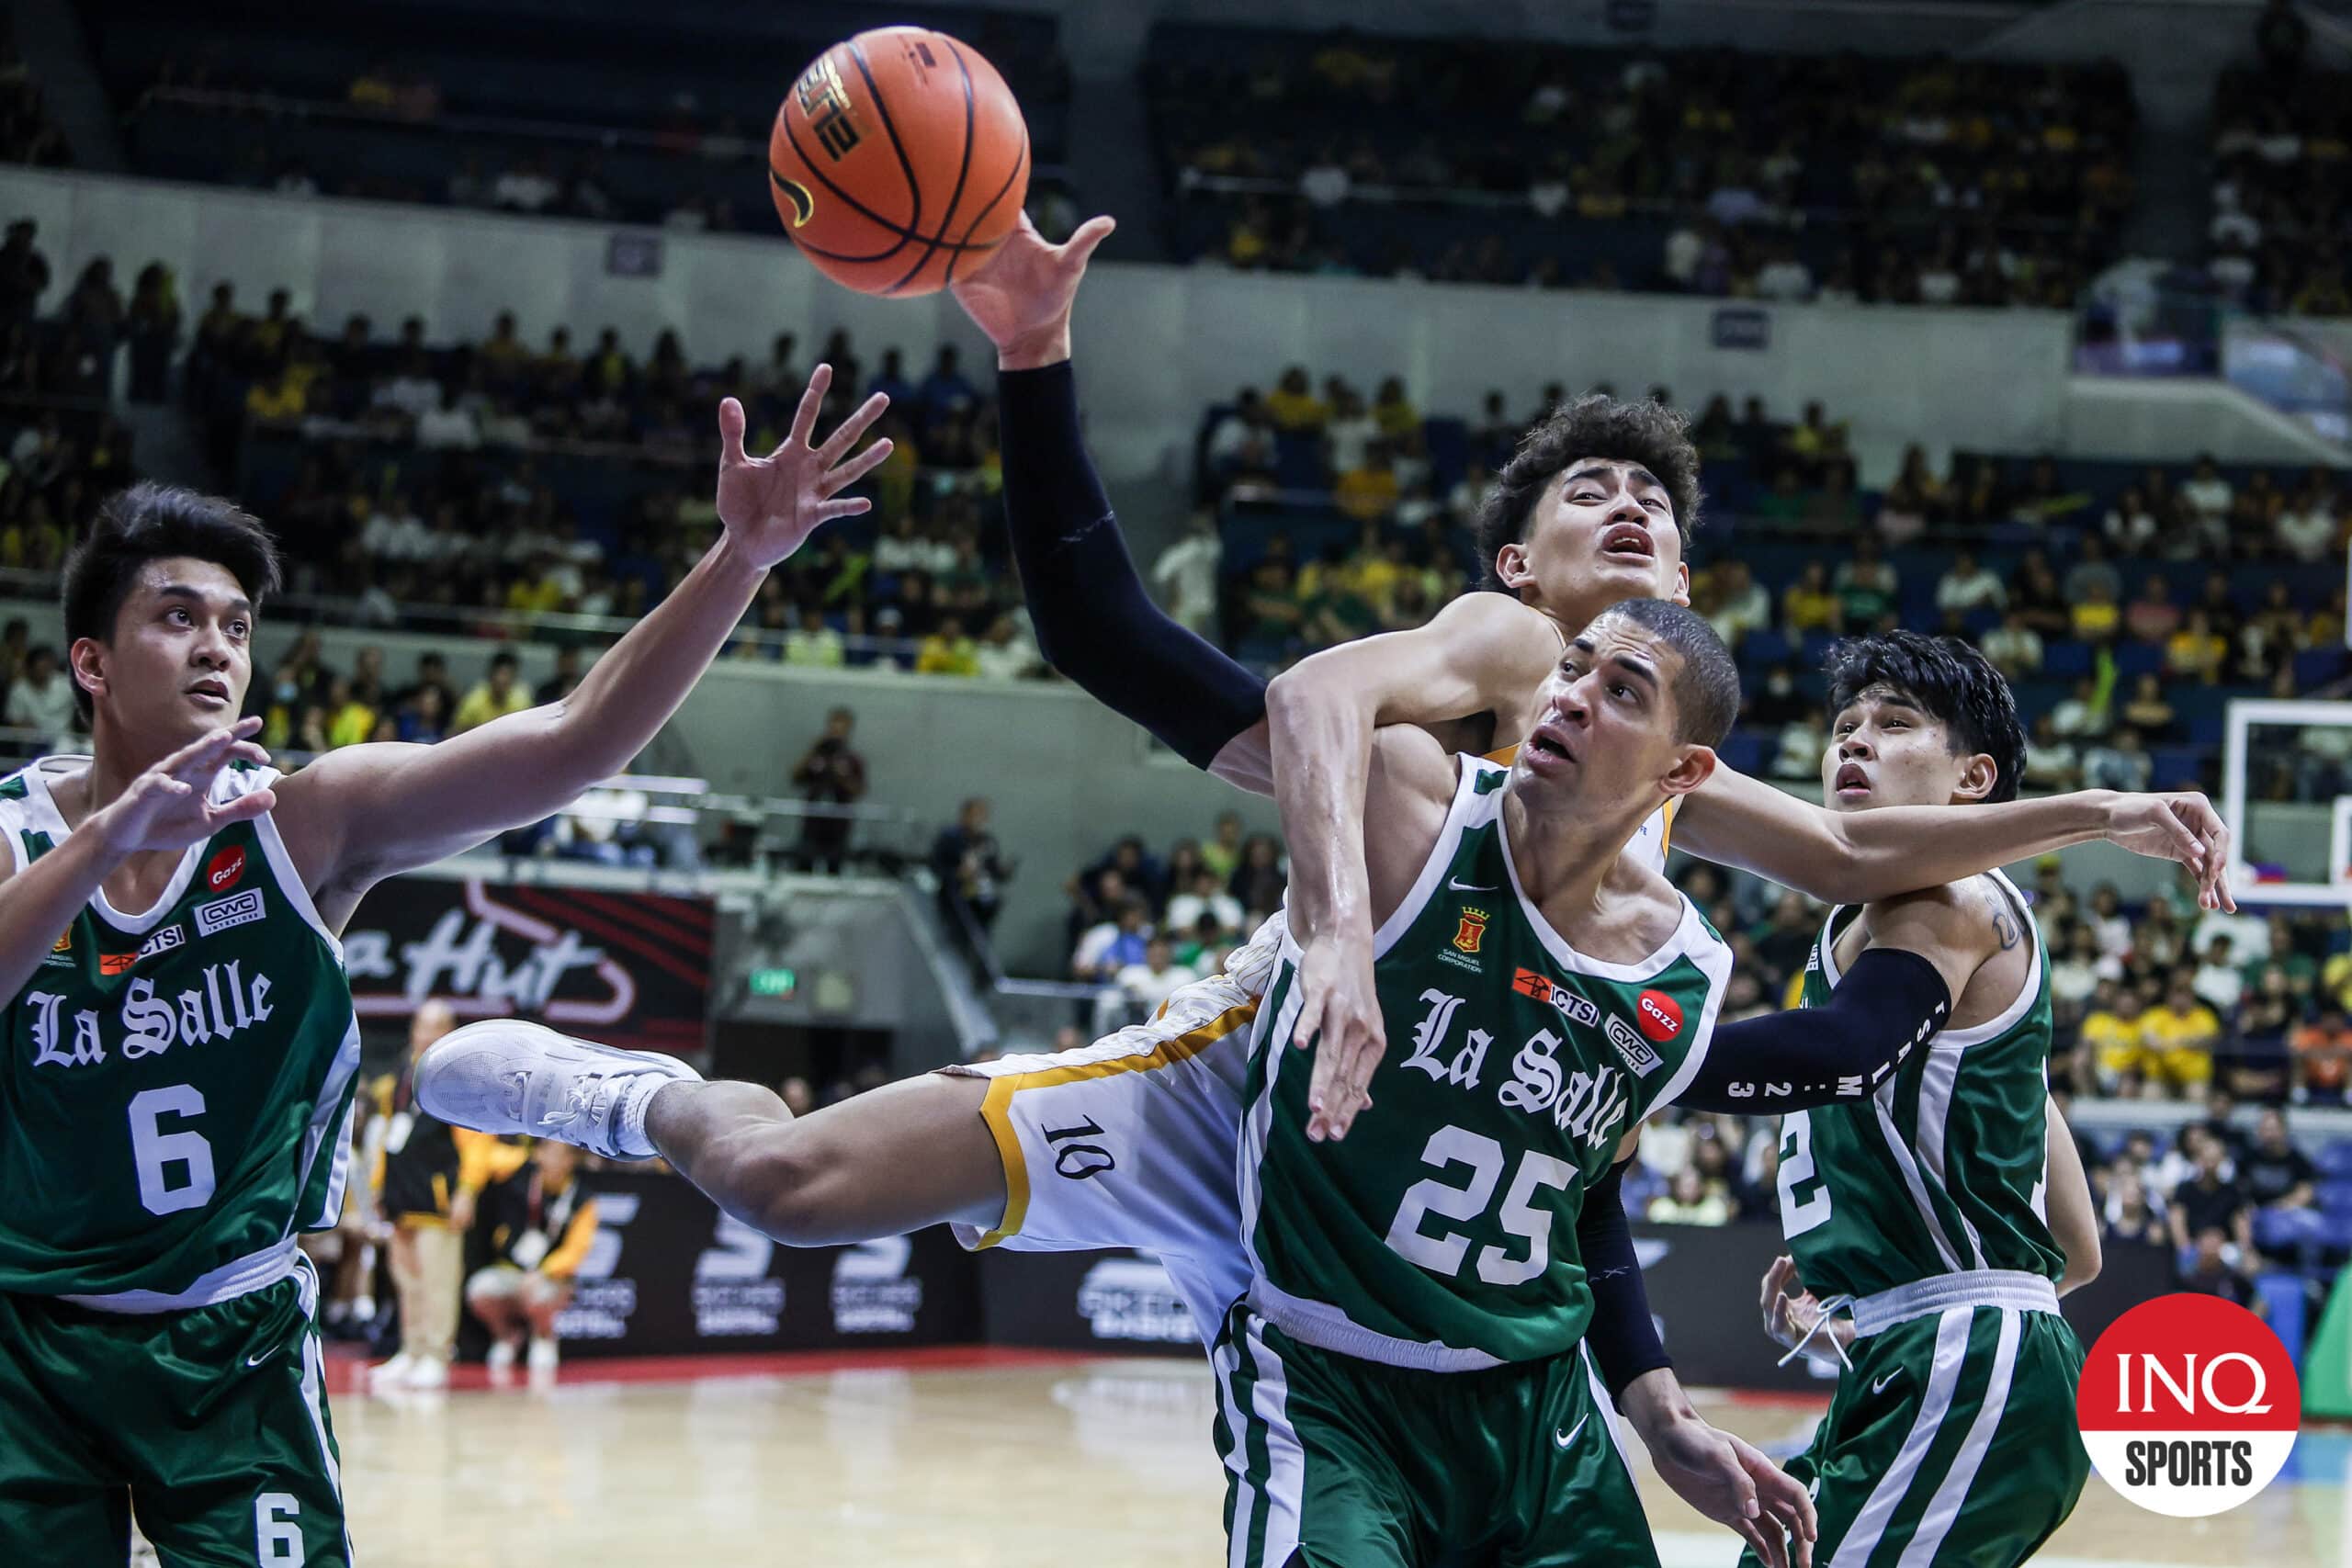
[(2188, 1405)]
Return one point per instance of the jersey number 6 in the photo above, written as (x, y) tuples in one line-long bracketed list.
[(153, 1150)]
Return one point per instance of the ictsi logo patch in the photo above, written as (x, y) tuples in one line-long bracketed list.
[(1658, 1015), (224, 870), (2189, 1404)]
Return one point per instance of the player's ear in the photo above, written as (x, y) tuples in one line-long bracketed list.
[(1694, 765), (1681, 595), (1978, 774), (86, 662), (1511, 567)]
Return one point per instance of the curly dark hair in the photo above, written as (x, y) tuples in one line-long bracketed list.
[(1952, 684), (1595, 425)]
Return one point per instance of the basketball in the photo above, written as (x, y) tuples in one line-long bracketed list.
[(899, 162)]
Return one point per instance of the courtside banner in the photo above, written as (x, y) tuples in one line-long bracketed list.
[(669, 1274), (629, 969), (2188, 1405)]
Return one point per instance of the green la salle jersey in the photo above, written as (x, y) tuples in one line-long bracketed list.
[(1943, 1170), (1441, 1233), (176, 1101)]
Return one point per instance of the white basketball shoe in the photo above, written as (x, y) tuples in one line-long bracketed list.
[(506, 1076)]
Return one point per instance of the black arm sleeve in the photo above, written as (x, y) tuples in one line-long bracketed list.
[(1095, 621), (1623, 1335), (1889, 1001)]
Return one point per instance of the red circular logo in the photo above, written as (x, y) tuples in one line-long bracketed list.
[(226, 867), (2189, 1404), (1660, 1015)]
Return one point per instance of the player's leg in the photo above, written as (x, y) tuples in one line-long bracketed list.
[(60, 1499), (1309, 1480), (1568, 1497), (252, 1366), (1928, 1425), (907, 1155)]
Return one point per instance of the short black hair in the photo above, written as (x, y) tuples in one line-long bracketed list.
[(1595, 425), (503, 661), (1950, 681), (155, 522), (1706, 691)]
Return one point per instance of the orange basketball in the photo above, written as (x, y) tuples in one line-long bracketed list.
[(898, 161)]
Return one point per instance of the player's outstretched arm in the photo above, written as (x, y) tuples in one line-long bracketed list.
[(2074, 1217), (1922, 949), (1333, 914), (166, 807), (1323, 714), (1854, 857), (360, 814), (1095, 621)]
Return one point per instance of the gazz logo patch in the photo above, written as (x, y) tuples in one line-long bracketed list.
[(242, 909), (826, 103)]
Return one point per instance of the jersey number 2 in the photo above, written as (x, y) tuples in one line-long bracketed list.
[(1804, 1195), (1442, 1254), (154, 1151)]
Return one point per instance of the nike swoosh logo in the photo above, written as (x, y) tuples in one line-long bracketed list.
[(1885, 1379), (1461, 886), (265, 1355), (1568, 1438)]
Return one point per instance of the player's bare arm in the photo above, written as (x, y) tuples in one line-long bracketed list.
[(1854, 857), (361, 814), (2074, 1214), (165, 810)]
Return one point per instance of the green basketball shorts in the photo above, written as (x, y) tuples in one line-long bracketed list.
[(1333, 1462), (1952, 1439), (210, 1424)]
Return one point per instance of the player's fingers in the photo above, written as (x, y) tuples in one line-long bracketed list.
[(804, 418), (1081, 245), (212, 742), (730, 431), (857, 468), (2217, 839), (1762, 1539), (860, 421), (246, 808), (832, 510)]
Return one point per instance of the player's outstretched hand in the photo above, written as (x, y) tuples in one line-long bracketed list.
[(1337, 1004), (169, 806), (2184, 827), (1734, 1484), (771, 504), (1021, 295)]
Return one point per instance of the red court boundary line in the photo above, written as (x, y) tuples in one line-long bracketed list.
[(348, 1375)]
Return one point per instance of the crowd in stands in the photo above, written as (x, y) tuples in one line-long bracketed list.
[(1770, 176), (499, 478), (2127, 602), (1143, 924), (2282, 171)]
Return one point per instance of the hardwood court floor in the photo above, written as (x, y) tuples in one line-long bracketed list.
[(984, 1458)]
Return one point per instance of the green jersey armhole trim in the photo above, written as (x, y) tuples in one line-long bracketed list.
[(1713, 959), (289, 881), (1469, 807)]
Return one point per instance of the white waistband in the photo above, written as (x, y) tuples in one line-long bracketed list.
[(239, 1277), (1977, 1287), (1328, 1328)]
